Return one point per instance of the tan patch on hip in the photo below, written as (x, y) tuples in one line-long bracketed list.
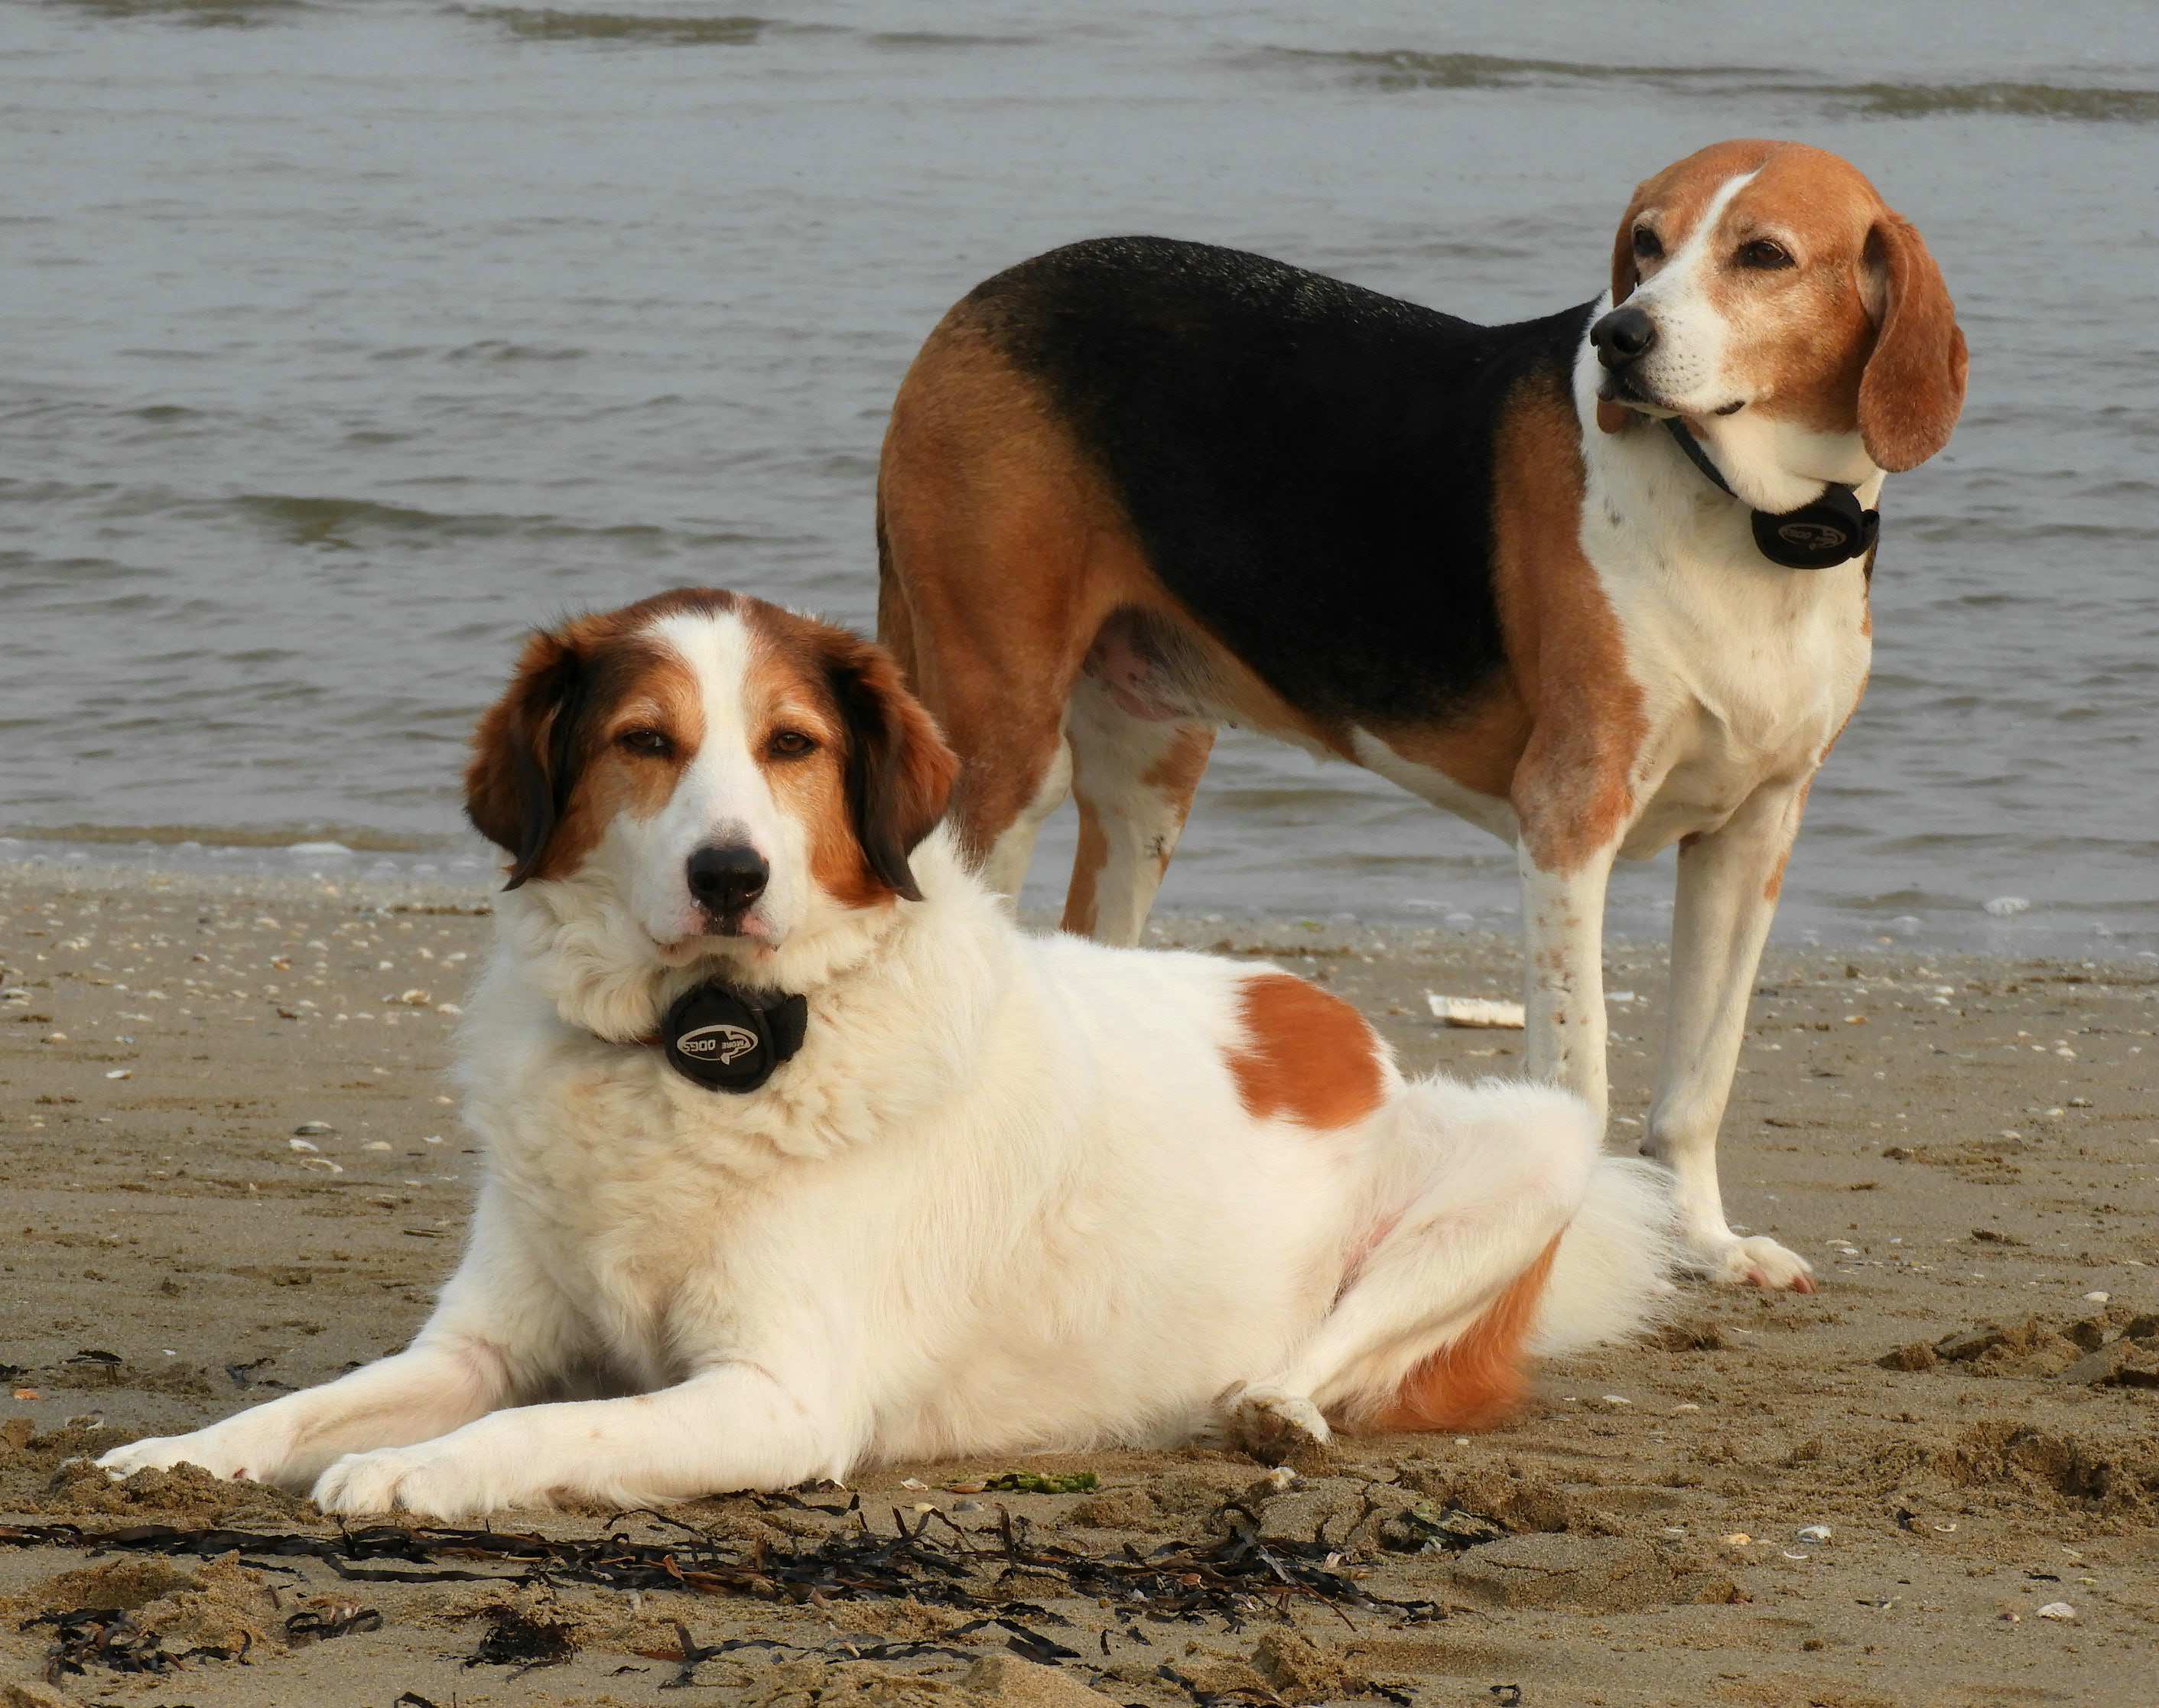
[(1307, 1057)]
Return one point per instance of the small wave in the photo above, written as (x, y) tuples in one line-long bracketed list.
[(848, 465), (499, 349), (29, 573), (335, 523), (212, 13), (295, 839), (2017, 99), (545, 23), (938, 38), (1406, 68), (328, 521), (46, 492)]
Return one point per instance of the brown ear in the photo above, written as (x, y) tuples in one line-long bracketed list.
[(1625, 274), (1913, 390), (1612, 417), (523, 760), (899, 771)]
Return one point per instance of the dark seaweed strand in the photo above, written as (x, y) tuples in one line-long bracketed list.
[(935, 1561), (109, 1637)]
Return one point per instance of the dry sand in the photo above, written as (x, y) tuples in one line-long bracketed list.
[(1965, 1148)]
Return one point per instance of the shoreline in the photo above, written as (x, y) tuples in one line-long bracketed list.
[(463, 868), (1966, 1146)]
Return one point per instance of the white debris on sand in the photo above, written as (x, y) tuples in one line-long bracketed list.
[(1490, 1012)]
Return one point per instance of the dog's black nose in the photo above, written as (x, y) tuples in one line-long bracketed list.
[(1622, 336), (727, 877)]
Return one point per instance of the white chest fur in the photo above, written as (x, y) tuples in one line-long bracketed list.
[(614, 1184), (1748, 674), (1748, 670)]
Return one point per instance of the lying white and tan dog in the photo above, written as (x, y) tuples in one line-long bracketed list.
[(975, 1193)]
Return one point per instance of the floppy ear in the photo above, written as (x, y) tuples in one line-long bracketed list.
[(525, 757), (899, 771), (1611, 418), (1913, 390), (1625, 274)]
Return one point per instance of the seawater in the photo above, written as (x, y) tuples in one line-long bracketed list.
[(344, 341)]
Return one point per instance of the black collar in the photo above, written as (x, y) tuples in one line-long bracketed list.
[(728, 1039), (1832, 530)]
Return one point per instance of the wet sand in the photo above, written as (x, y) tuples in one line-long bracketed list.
[(1967, 1149)]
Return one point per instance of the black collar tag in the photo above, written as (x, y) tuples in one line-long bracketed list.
[(732, 1040), (1832, 530), (1819, 536)]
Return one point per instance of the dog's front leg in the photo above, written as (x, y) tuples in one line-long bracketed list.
[(439, 1382), (1728, 880), (734, 1427), (1563, 938), (499, 1328)]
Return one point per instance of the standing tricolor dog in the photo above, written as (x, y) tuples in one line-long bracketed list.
[(801, 1156), (1596, 582)]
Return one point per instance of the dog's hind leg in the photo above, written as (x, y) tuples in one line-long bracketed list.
[(1003, 711), (1006, 848), (1134, 778), (1459, 1286), (987, 590)]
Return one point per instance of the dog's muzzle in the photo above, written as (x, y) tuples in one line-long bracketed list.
[(1623, 337)]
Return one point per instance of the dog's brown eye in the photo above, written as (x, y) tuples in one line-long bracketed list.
[(1648, 247), (645, 741), (791, 744), (1762, 252)]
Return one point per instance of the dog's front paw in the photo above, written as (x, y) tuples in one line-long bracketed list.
[(1272, 1426), (1759, 1261), (221, 1451), (431, 1480)]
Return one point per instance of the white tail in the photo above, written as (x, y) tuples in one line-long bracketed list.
[(1613, 1274)]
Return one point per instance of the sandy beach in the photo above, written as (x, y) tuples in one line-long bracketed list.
[(231, 1164)]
